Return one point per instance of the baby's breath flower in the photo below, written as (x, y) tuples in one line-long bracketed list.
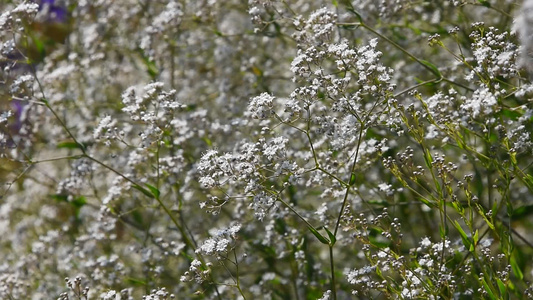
[(260, 107)]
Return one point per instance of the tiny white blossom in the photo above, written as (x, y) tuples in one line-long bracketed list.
[(261, 106)]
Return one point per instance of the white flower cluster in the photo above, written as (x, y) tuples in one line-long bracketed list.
[(260, 107), (220, 242), (328, 134), (482, 103), (5, 115), (493, 51), (322, 24), (107, 131), (72, 185), (22, 85), (13, 19)]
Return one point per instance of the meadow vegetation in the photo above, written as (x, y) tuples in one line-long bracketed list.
[(266, 149)]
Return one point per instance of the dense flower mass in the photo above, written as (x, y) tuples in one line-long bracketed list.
[(266, 149)]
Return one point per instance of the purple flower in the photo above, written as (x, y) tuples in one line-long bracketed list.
[(18, 108), (55, 11)]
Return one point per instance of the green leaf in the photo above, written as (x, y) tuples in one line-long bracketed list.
[(510, 209), (378, 202), (501, 287), (79, 201), (428, 158), (39, 46), (484, 3), (433, 68), (522, 212), (376, 238), (135, 281), (488, 289), (457, 206), (59, 198), (528, 180), (335, 3), (331, 236), (137, 217), (464, 237), (512, 114), (516, 268), (511, 287), (381, 245), (476, 237), (443, 230), (415, 30), (144, 191), (419, 80), (257, 71), (151, 67), (352, 179), (321, 238), (482, 213), (154, 190), (513, 158), (70, 145)]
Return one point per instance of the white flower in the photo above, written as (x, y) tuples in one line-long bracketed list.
[(208, 247), (483, 102), (103, 127), (425, 243), (261, 106), (326, 295), (111, 295), (5, 115)]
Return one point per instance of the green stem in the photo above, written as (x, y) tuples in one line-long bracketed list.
[(237, 280), (333, 280), (398, 47), (297, 214), (351, 182), (439, 76)]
